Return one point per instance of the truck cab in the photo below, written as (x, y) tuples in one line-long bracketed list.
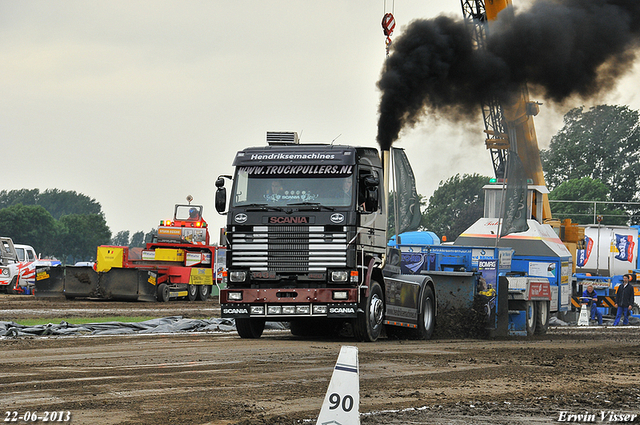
[(306, 228)]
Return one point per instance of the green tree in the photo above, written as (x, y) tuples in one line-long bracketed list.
[(63, 202), (137, 240), (30, 225), (455, 205), (585, 189), (150, 235), (602, 143), (80, 235), (20, 196), (57, 202), (121, 238)]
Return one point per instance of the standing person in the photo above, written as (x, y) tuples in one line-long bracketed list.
[(624, 300), (590, 297)]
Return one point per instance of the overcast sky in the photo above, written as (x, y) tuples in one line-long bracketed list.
[(138, 104)]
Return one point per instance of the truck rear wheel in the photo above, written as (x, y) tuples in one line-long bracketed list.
[(203, 292), (427, 317), (192, 292), (542, 317), (163, 293), (250, 328), (368, 325)]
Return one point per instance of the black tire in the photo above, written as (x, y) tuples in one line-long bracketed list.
[(12, 285), (543, 312), (163, 293), (192, 292), (368, 325), (203, 292), (530, 308), (427, 316), (250, 328)]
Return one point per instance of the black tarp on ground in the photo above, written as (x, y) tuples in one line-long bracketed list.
[(163, 325)]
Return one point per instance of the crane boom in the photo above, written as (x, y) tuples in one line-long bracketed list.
[(508, 125)]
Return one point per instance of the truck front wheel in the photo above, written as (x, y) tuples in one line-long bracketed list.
[(250, 328), (368, 325)]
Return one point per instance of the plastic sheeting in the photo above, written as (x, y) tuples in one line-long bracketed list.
[(171, 324)]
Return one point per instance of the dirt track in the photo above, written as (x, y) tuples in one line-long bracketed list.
[(207, 378)]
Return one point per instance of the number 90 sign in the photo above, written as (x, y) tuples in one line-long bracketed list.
[(347, 402)]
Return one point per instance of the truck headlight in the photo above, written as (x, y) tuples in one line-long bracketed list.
[(237, 276), (234, 296), (340, 295), (257, 310), (5, 272), (302, 309), (319, 309), (339, 276), (288, 309), (274, 309)]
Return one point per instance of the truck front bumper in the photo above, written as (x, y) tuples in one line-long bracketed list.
[(286, 312), (284, 304)]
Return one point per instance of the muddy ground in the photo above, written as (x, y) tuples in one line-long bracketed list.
[(218, 378)]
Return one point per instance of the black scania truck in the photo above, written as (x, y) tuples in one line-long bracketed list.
[(307, 244)]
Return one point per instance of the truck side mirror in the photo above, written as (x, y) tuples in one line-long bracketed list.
[(221, 196), (371, 184)]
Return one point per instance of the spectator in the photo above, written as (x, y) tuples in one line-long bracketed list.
[(590, 298), (624, 300)]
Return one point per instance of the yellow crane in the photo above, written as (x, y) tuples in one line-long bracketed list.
[(509, 123)]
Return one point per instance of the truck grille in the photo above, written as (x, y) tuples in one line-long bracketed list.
[(288, 248)]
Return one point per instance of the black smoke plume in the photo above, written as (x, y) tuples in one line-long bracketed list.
[(560, 48)]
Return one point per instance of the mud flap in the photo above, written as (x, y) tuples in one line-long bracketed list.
[(126, 285), (502, 311), (458, 314), (49, 282), (84, 282), (454, 289), (80, 282)]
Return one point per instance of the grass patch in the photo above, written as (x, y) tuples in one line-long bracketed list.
[(83, 320)]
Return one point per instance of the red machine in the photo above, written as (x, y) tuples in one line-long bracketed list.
[(179, 263)]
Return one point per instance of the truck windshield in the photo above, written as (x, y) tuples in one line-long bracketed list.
[(188, 212), (285, 190)]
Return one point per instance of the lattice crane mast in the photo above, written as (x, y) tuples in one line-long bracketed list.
[(508, 125)]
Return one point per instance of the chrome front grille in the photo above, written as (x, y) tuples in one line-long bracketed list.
[(288, 248)]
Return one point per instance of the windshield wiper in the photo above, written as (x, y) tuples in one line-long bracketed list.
[(261, 207), (314, 205)]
